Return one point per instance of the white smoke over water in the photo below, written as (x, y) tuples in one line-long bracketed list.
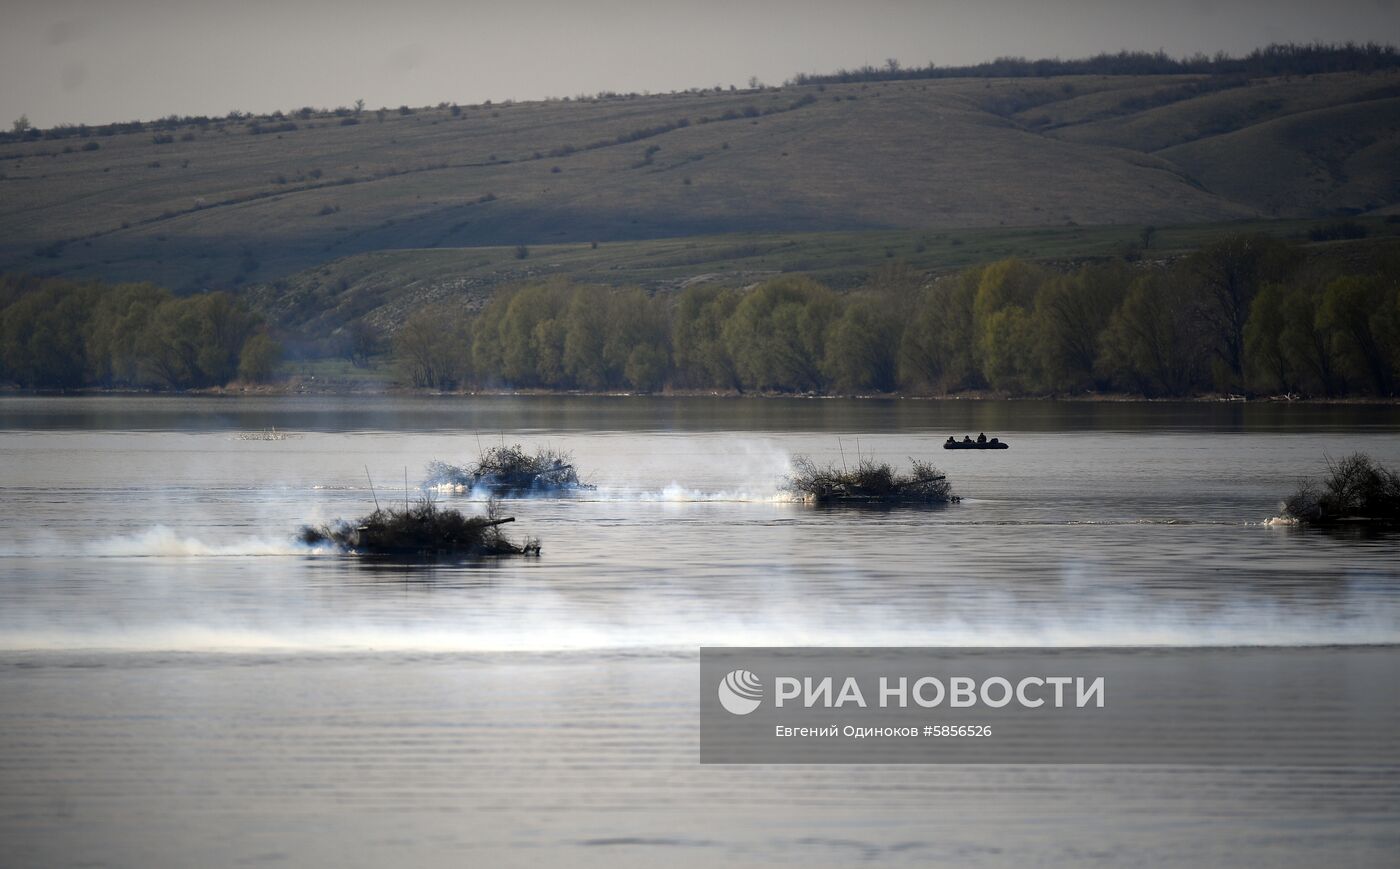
[(537, 622), (752, 471), (163, 542)]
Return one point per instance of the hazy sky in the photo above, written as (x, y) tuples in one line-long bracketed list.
[(103, 60)]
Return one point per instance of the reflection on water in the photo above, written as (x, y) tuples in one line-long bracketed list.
[(542, 413), (170, 659)]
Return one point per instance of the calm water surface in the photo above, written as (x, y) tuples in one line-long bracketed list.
[(181, 684)]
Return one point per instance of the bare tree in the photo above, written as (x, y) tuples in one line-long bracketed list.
[(1230, 273)]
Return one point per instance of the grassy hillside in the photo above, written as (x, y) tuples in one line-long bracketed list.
[(1151, 114), (1286, 147), (220, 204), (1339, 157)]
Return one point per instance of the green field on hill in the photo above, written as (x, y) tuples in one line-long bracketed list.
[(231, 202)]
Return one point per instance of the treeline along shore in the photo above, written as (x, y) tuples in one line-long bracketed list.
[(61, 334), (1247, 315)]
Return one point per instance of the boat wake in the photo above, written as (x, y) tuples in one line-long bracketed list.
[(533, 628), (677, 494), (163, 542), (674, 493)]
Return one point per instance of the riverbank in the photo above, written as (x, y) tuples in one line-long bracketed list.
[(322, 387)]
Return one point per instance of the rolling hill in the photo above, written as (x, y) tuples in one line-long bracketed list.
[(305, 200)]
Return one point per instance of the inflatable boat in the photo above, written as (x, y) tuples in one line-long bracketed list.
[(992, 444)]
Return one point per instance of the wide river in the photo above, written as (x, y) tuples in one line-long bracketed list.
[(181, 684)]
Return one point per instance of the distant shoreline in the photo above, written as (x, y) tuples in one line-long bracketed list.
[(318, 390)]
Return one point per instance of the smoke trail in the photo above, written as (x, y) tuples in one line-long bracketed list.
[(538, 622), (162, 542)]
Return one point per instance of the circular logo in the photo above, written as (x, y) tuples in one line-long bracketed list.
[(740, 692)]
